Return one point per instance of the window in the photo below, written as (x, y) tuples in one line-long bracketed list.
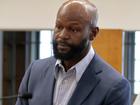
[(45, 44), (137, 63)]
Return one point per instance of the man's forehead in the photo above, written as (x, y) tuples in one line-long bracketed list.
[(74, 10), (82, 9), (70, 22)]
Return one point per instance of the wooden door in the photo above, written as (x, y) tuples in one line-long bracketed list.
[(108, 44)]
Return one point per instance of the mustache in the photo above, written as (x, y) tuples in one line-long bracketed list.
[(61, 43)]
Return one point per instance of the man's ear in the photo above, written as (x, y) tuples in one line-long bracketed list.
[(93, 33)]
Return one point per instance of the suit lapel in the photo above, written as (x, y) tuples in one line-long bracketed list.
[(87, 83), (49, 88)]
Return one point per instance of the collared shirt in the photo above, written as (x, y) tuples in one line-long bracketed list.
[(66, 82)]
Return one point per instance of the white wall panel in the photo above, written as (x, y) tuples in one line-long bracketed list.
[(40, 14)]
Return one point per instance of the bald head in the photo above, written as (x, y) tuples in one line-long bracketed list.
[(74, 30), (80, 8)]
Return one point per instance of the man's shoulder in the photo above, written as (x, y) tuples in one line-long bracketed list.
[(42, 63), (107, 74), (50, 60), (41, 66), (105, 70)]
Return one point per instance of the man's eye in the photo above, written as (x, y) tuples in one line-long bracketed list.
[(74, 30), (59, 27)]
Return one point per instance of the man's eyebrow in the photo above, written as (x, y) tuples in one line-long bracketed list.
[(74, 23)]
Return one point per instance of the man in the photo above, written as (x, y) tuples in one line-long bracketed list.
[(76, 75)]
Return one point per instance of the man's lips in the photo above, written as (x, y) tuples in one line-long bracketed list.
[(62, 46)]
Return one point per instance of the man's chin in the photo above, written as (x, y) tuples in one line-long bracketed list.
[(63, 56), (63, 51)]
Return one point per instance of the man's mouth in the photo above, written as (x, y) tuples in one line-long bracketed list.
[(62, 47)]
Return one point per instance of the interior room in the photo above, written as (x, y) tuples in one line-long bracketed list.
[(26, 31)]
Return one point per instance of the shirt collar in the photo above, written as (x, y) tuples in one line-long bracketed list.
[(80, 67)]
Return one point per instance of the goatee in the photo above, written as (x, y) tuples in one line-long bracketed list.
[(75, 50)]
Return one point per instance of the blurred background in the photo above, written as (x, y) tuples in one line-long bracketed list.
[(26, 30)]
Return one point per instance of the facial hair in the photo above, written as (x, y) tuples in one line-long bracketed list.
[(75, 50)]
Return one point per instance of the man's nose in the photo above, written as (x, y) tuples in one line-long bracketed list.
[(64, 34)]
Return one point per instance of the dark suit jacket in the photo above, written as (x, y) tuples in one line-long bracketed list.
[(99, 85)]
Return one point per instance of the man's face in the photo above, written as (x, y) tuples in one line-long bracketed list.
[(71, 35)]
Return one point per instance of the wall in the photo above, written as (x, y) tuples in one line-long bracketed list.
[(40, 14)]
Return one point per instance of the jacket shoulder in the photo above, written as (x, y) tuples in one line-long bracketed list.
[(105, 72), (45, 61)]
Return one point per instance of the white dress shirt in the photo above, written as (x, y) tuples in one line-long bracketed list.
[(66, 82)]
